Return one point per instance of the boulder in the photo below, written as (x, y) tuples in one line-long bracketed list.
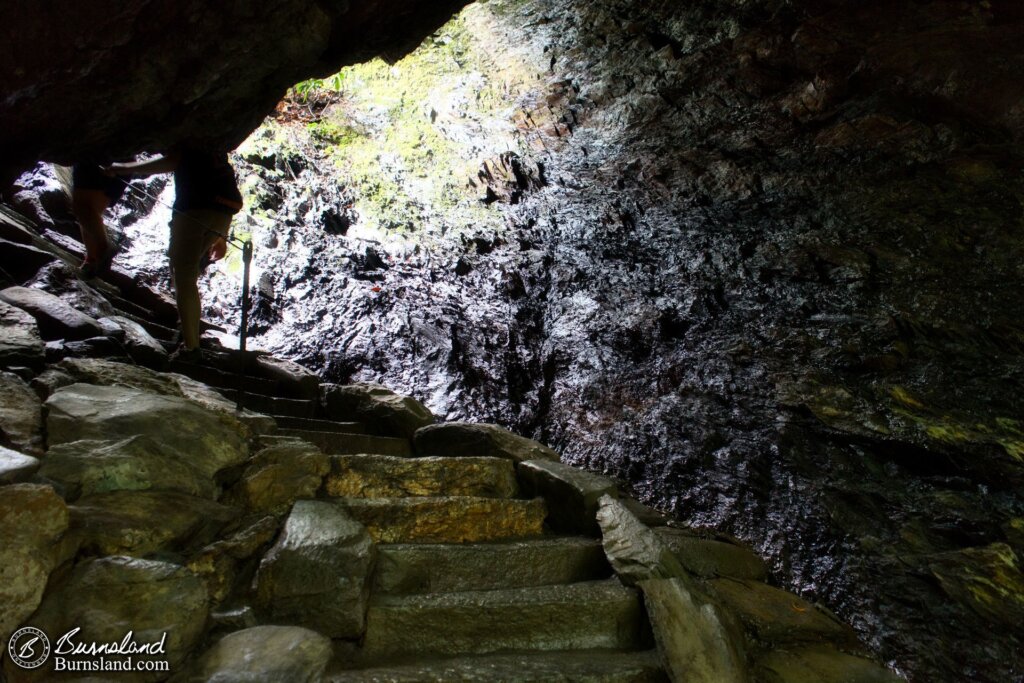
[(38, 195), (486, 440), (318, 573), (380, 410), (292, 377), (138, 463), (279, 475), (821, 664), (141, 345), (213, 441), (265, 653), (111, 373), (93, 347), (111, 329), (777, 616), (635, 552), (708, 558), (32, 511), (21, 415), (20, 343), (23, 261), (572, 494), (233, 619), (56, 319), (142, 522), (218, 563), (108, 597), (16, 467), (33, 520), (49, 381), (695, 641)]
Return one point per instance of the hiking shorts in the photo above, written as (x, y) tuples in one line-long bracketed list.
[(90, 177)]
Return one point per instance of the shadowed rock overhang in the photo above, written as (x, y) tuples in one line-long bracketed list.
[(114, 77)]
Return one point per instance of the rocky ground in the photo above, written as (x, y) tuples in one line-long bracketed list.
[(761, 260), (332, 532)]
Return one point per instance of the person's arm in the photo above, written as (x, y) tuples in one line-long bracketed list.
[(165, 163)]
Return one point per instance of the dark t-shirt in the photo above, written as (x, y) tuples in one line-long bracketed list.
[(205, 180)]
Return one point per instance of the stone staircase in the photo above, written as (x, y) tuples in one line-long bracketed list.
[(470, 584), (465, 568), (352, 540)]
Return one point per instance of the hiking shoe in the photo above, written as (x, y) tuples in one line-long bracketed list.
[(183, 355), (96, 267)]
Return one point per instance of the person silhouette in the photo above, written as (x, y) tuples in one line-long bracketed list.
[(92, 193), (206, 199)]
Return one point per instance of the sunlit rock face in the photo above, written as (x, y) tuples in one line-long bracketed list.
[(108, 78), (763, 262)]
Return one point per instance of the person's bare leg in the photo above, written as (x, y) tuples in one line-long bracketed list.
[(88, 207), (192, 235)]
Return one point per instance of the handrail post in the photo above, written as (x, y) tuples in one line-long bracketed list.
[(244, 326)]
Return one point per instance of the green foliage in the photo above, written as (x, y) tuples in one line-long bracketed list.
[(407, 138), (314, 87)]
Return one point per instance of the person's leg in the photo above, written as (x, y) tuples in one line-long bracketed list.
[(88, 207), (192, 235)]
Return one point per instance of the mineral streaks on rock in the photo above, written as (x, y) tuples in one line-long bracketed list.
[(447, 519), (370, 476), (141, 523)]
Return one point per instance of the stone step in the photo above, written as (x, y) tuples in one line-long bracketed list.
[(314, 425), (382, 476), (590, 615), (447, 520), (223, 379), (340, 443), (592, 666), (272, 405), (141, 315), (444, 568)]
